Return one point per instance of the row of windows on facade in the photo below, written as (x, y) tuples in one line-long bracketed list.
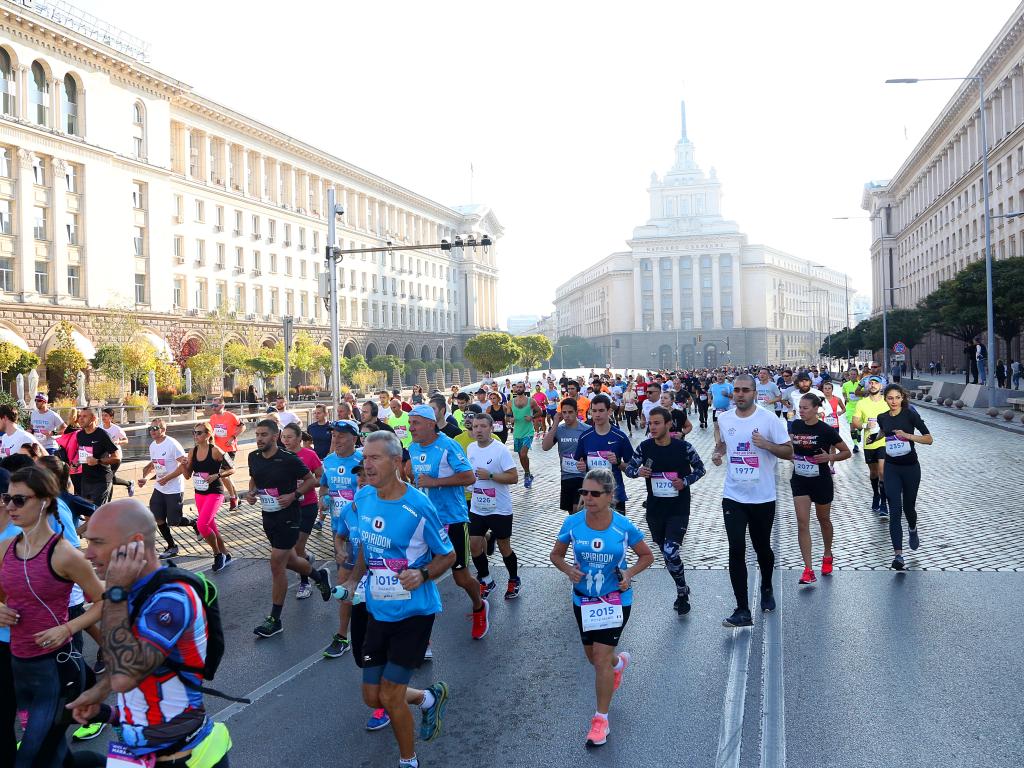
[(705, 261), (39, 96), (42, 277), (683, 206), (707, 320), (231, 166)]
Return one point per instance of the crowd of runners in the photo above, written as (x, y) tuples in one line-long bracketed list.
[(411, 488)]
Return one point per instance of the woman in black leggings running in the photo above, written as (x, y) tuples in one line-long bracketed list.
[(700, 397), (902, 474)]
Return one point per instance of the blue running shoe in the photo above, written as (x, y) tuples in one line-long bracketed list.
[(430, 724), (528, 482), (379, 719), (915, 540)]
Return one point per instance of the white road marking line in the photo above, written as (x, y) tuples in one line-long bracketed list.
[(773, 694), (730, 733)]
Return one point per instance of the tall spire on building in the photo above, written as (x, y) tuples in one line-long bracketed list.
[(682, 109)]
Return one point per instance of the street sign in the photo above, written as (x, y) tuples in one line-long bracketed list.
[(899, 348), (864, 355), (898, 358)]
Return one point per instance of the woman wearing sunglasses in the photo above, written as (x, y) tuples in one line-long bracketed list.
[(37, 574), (207, 466), (601, 590)]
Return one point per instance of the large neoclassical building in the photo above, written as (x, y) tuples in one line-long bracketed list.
[(123, 187), (691, 291)]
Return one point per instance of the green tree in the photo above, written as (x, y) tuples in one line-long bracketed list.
[(266, 365), (1008, 299), (493, 351), (9, 354), (205, 367), (948, 312), (909, 326), (870, 331), (25, 363), (388, 364), (534, 350), (575, 352), (64, 361), (352, 365)]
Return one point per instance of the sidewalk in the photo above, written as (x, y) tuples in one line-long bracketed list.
[(978, 415)]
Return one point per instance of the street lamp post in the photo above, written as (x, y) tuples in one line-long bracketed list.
[(989, 306), (846, 290)]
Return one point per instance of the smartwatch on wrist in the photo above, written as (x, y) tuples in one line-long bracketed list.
[(116, 594), (425, 574)]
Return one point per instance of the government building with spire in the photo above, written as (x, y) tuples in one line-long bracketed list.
[(692, 292)]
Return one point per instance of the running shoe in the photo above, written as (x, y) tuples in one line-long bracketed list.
[(599, 731), (514, 588), (318, 526), (431, 718), (897, 563), (194, 525), (528, 481), (428, 655), (339, 647), (171, 551), (875, 508), (767, 599), (806, 578), (227, 560), (740, 618), (379, 719), (480, 621), (218, 563), (233, 503), (101, 665), (915, 540), (856, 448), (486, 587), (324, 585), (131, 492), (626, 659), (88, 732), (269, 628), (883, 512), (826, 566), (682, 603), (304, 591)]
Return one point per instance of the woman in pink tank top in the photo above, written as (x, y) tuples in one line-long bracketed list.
[(36, 575)]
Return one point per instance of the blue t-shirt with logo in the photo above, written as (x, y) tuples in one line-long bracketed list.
[(605, 452), (599, 555), (720, 394), (396, 535), (340, 481), (442, 458)]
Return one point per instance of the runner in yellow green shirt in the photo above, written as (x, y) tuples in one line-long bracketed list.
[(865, 417)]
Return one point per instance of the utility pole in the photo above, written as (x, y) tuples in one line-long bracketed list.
[(333, 257), (288, 323)]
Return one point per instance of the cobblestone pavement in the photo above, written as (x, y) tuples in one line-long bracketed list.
[(969, 513)]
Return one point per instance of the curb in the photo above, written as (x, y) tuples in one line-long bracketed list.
[(996, 423)]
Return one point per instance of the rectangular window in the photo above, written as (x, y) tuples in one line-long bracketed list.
[(257, 261), (137, 151), (179, 208), (39, 223), (39, 170), (239, 258), (71, 178), (42, 277), (273, 263), (200, 302), (6, 274), (255, 225), (302, 268), (238, 223), (139, 241), (287, 235), (288, 265), (200, 253), (271, 230), (5, 217), (316, 241), (179, 248), (221, 263), (240, 299), (220, 218), (179, 290), (200, 211), (138, 195), (302, 237), (74, 280), (71, 225), (5, 162), (220, 295), (140, 288)]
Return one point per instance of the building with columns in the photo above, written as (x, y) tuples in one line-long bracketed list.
[(692, 292), (928, 220), (121, 186)]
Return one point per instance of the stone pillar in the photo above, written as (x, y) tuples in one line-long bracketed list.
[(737, 292), (56, 94), (638, 310), (58, 210), (23, 76), (677, 311), (716, 291), (698, 321), (187, 154), (25, 245), (204, 157), (656, 286)]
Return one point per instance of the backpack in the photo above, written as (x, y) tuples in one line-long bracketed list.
[(207, 592)]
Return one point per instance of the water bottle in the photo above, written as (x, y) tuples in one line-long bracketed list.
[(357, 598), (340, 592)]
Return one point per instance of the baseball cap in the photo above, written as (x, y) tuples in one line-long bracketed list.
[(475, 408), (803, 376), (344, 425), (875, 378), (42, 398), (424, 412)]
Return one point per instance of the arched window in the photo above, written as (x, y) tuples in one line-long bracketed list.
[(8, 93), (139, 130), (69, 106), (39, 95)]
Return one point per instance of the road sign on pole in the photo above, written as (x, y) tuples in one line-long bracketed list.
[(864, 355), (899, 348)]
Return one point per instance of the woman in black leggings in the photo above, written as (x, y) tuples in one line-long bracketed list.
[(700, 397), (902, 473)]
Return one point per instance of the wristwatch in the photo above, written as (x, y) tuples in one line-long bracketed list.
[(116, 594), (425, 574)]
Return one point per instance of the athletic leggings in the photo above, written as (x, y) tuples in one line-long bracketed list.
[(37, 686), (668, 529), (901, 482), (631, 419), (759, 519), (207, 505), (702, 411)]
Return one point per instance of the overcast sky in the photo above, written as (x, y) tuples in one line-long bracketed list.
[(565, 108)]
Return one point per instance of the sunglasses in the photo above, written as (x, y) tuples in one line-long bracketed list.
[(18, 500), (742, 389), (595, 494), (156, 429), (199, 432)]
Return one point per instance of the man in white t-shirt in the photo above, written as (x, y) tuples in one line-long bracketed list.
[(284, 416), (803, 387), (753, 441), (12, 437), (169, 489), (46, 424), (491, 505)]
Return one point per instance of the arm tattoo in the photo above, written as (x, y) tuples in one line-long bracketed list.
[(126, 654)]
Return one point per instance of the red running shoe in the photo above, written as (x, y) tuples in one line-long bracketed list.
[(599, 731), (826, 566), (480, 623), (808, 576)]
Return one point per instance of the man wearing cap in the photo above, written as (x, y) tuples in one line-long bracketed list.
[(338, 485), (803, 387), (441, 470), (875, 369), (865, 417), (46, 424)]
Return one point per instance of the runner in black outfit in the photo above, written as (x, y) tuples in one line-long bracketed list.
[(669, 467), (700, 397), (815, 445), (902, 468)]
